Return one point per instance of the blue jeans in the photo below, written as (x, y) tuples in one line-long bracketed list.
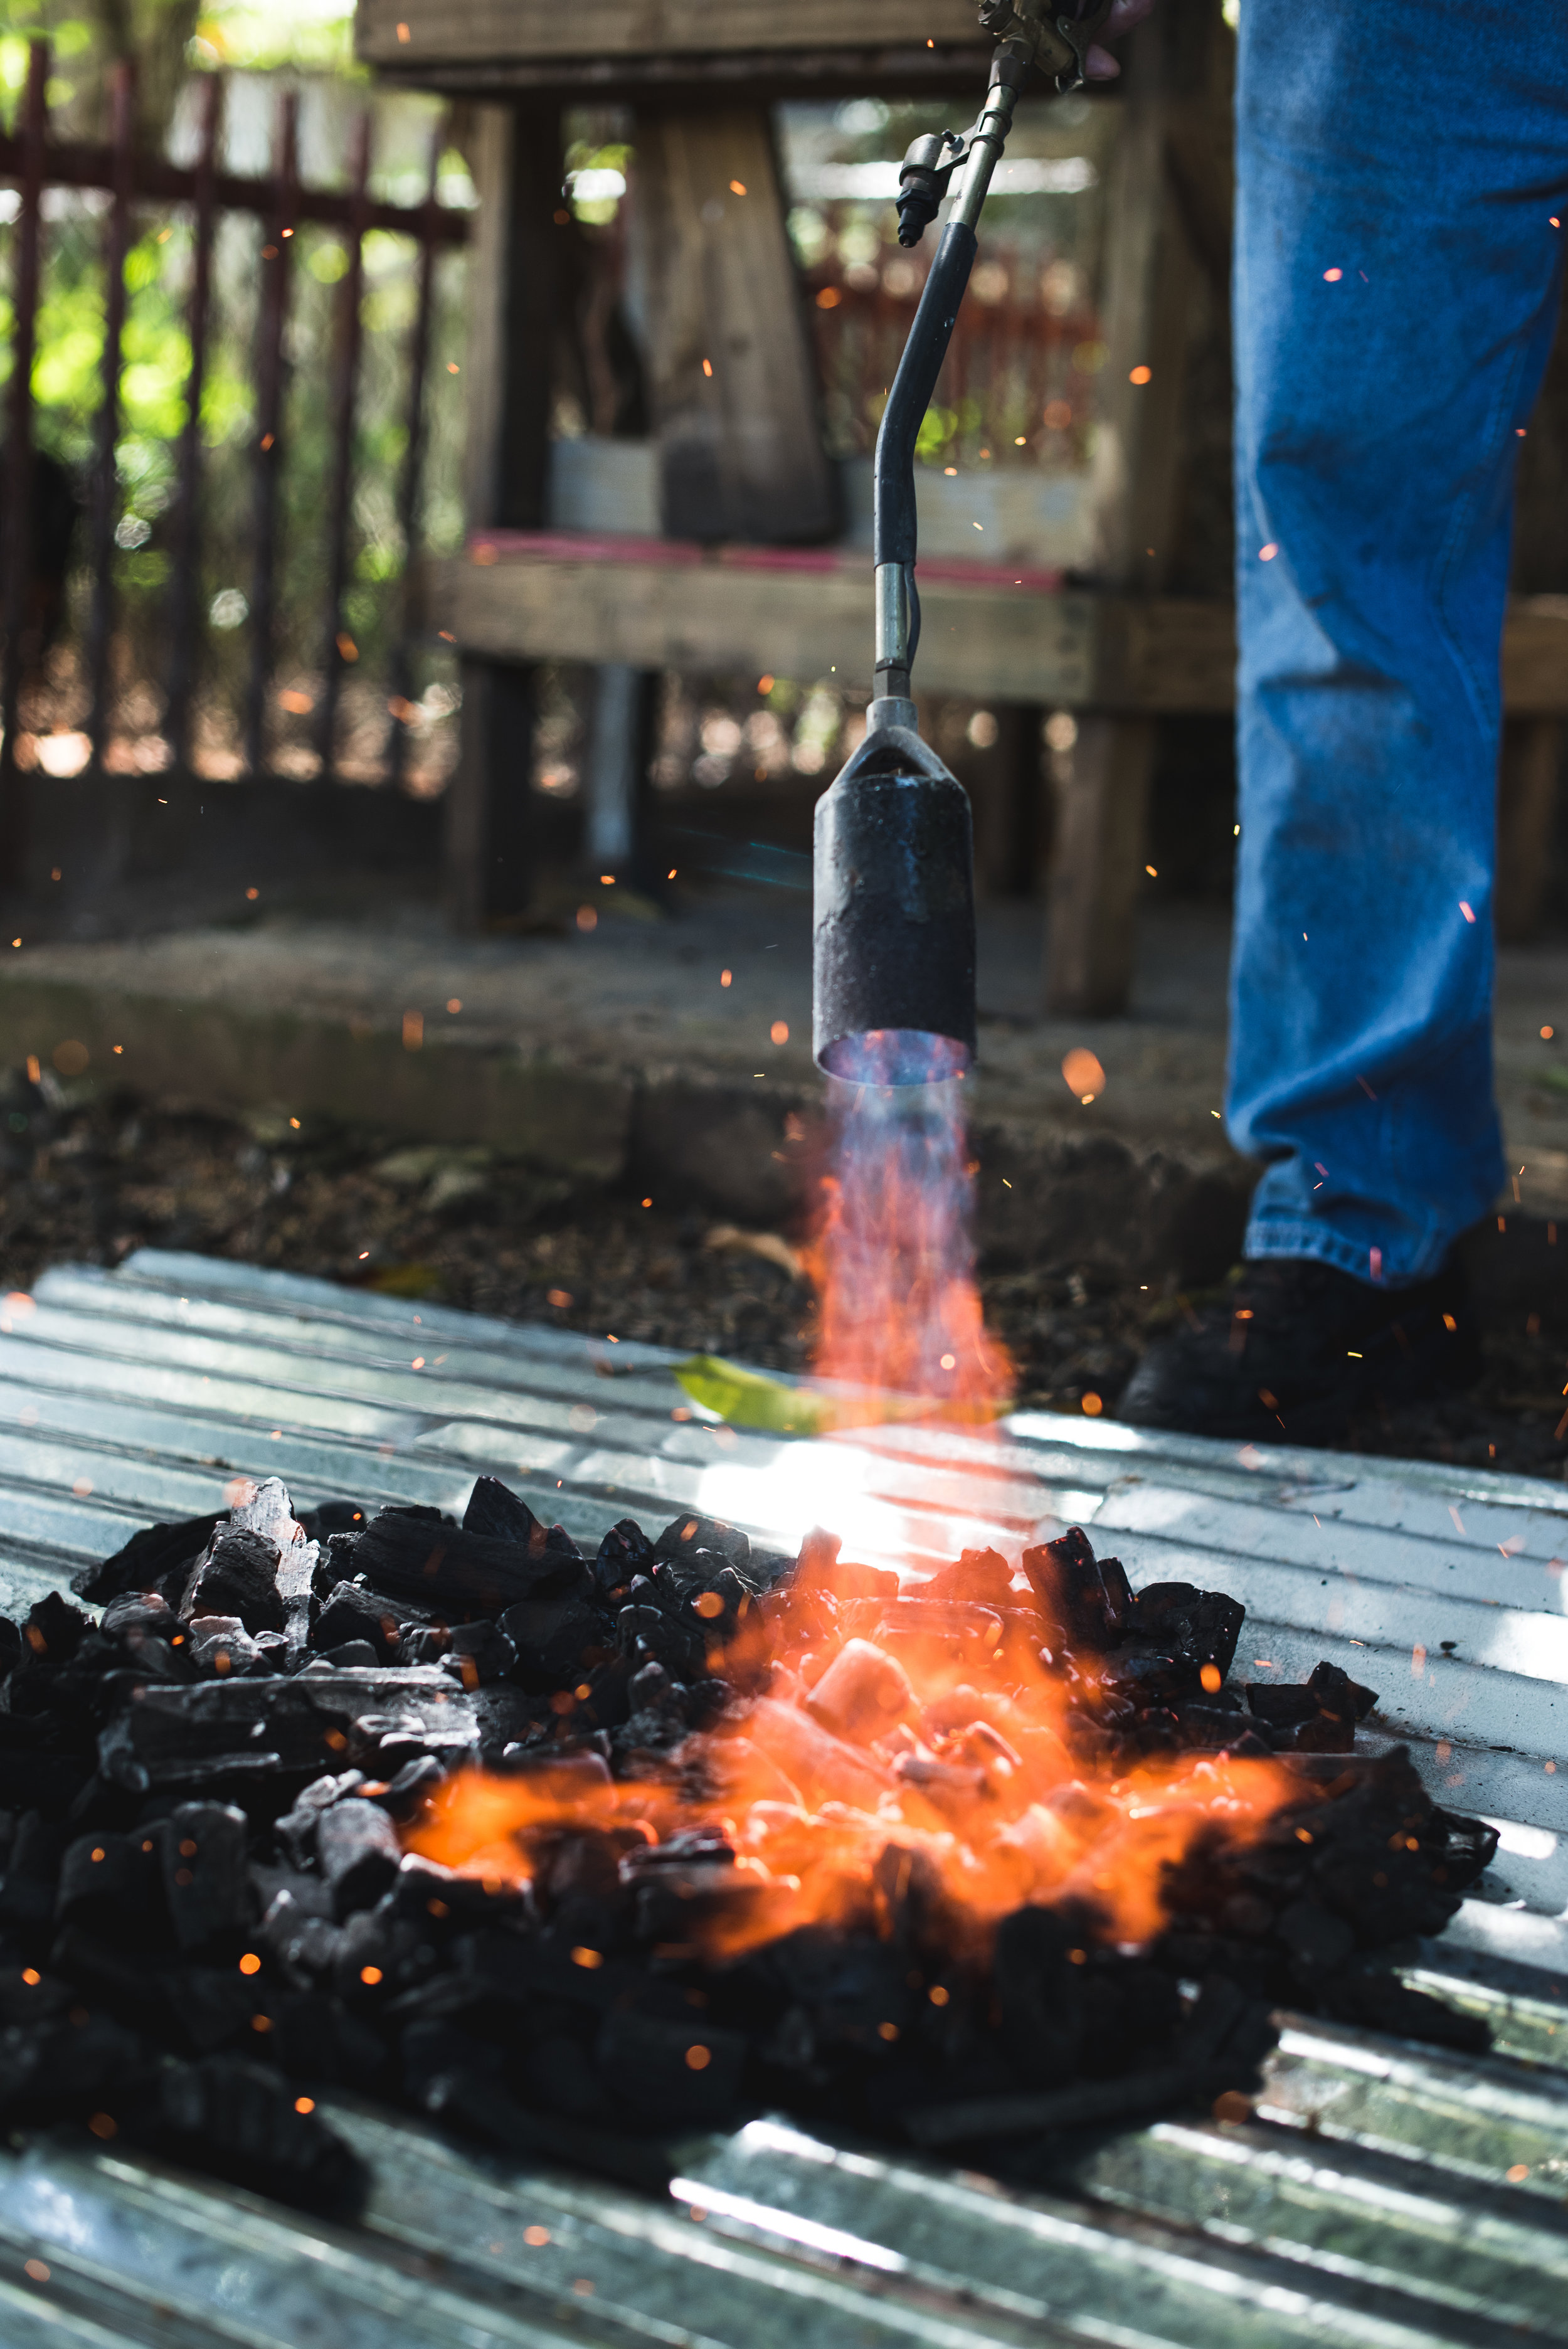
[(1396, 296)]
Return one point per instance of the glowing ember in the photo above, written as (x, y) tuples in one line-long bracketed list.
[(887, 1728)]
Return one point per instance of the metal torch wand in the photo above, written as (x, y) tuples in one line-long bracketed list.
[(893, 957)]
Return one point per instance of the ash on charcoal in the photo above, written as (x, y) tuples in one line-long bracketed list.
[(206, 1904)]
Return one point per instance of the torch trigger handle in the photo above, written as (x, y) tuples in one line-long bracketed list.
[(1079, 33)]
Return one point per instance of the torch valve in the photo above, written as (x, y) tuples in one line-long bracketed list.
[(922, 183)]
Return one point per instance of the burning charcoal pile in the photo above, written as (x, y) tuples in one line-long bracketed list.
[(575, 1853)]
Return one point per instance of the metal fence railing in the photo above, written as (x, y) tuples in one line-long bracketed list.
[(129, 177)]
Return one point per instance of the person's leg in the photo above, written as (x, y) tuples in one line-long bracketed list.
[(1399, 163)]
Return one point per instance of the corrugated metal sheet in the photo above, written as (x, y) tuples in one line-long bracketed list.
[(1381, 2194)]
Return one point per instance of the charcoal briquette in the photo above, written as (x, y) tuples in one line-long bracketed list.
[(1375, 2001), (80, 2062), (480, 1654), (136, 1615), (204, 1863), (1336, 1692), (329, 1517), (303, 1943), (296, 1827), (112, 1884), (147, 1558), (237, 1575), (549, 1637), (357, 1852), (355, 1613), (466, 1574), (32, 1875), (353, 1656), (263, 1727), (220, 1643), (52, 1633), (1280, 1706), (1085, 1602), (315, 2037), (237, 2120), (495, 1511), (1319, 1943), (685, 2075), (625, 1551)]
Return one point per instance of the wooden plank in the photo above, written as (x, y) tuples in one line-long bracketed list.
[(413, 33), (1168, 653), (732, 377), (710, 616), (671, 607)]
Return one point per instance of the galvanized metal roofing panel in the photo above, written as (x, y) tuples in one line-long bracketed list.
[(1368, 2202)]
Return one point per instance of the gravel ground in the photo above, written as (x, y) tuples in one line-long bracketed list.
[(91, 1184)]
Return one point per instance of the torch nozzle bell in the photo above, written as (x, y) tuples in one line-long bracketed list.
[(894, 946)]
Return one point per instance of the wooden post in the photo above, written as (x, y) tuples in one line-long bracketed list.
[(732, 379), (512, 312), (1008, 787), (1529, 777), (616, 770), (1149, 283), (1102, 805)]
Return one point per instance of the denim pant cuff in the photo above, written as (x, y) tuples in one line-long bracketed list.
[(1271, 1236)]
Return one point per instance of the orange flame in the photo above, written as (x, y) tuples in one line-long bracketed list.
[(899, 1730)]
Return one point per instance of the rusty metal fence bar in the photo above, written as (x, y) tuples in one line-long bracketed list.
[(27, 166), (183, 599), (349, 344), (32, 162), (276, 258), (411, 487), (116, 243)]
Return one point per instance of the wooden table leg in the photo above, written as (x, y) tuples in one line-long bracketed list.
[(487, 845), (620, 754), (1528, 778), (1102, 805), (514, 296)]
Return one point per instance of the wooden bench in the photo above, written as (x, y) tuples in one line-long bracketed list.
[(741, 582)]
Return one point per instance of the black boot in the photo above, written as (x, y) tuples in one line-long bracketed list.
[(1297, 1348)]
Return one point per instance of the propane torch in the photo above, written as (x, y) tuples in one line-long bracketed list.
[(893, 928)]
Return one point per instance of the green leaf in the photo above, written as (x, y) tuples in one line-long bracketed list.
[(746, 1399)]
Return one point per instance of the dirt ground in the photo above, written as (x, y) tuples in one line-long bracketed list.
[(91, 1184)]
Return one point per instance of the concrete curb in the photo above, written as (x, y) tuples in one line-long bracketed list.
[(566, 1119), (741, 1148)]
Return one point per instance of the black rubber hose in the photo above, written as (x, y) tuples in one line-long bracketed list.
[(893, 530)]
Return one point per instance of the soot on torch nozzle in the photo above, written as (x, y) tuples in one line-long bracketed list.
[(894, 946)]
